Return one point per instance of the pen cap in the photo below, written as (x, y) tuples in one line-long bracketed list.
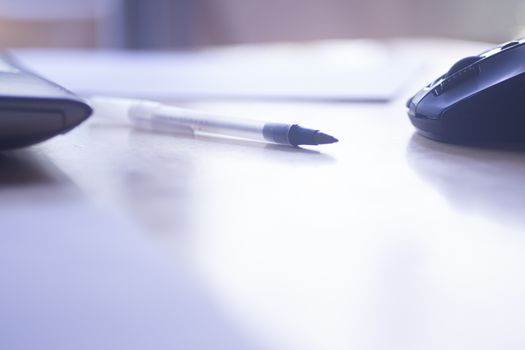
[(142, 110), (116, 109), (139, 112), (155, 116)]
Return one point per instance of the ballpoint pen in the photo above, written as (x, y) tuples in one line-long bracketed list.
[(156, 116)]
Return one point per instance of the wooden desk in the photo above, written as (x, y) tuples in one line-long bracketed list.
[(383, 241)]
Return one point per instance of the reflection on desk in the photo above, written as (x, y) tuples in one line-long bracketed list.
[(74, 278), (485, 181)]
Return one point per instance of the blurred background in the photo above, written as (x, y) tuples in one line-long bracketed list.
[(143, 24)]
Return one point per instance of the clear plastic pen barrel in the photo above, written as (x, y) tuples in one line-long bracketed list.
[(156, 116)]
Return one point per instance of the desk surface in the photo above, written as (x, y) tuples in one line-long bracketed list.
[(411, 244)]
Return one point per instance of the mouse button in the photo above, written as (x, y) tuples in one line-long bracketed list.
[(437, 81), (505, 67), (462, 63), (414, 100), (509, 44), (432, 106), (456, 79), (490, 52)]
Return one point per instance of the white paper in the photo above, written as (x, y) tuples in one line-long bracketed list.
[(329, 70)]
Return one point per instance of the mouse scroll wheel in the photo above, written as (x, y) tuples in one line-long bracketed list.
[(465, 62)]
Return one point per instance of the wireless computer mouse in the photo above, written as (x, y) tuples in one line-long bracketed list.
[(481, 99)]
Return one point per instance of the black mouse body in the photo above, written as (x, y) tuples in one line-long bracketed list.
[(480, 100)]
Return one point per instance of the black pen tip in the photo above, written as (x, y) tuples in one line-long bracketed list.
[(322, 139), (298, 136)]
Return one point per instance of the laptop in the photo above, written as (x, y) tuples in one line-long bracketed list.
[(34, 109)]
